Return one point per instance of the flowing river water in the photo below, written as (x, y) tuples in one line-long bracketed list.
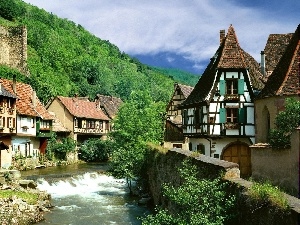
[(82, 194)]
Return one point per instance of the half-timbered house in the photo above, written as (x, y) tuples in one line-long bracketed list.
[(33, 122), (173, 136), (218, 116)]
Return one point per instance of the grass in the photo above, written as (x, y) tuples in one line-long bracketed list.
[(269, 194), (30, 198)]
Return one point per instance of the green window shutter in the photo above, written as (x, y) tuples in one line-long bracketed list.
[(185, 117), (222, 115), (222, 86), (242, 115), (241, 86)]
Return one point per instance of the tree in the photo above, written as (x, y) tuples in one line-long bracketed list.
[(138, 122), (9, 9), (197, 201), (59, 148), (285, 122)]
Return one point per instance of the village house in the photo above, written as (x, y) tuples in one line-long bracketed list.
[(280, 166), (218, 115), (7, 124), (32, 124), (173, 135), (83, 118)]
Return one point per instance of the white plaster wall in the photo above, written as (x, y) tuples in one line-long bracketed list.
[(26, 121)]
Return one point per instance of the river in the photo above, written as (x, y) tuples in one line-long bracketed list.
[(81, 195)]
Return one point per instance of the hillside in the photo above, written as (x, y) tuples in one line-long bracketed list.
[(65, 59)]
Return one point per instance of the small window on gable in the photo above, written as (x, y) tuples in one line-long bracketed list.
[(232, 86)]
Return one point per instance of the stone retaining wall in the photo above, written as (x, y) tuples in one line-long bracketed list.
[(163, 168)]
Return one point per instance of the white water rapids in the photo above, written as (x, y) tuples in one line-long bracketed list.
[(90, 199)]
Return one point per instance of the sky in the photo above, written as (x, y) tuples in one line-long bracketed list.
[(181, 34)]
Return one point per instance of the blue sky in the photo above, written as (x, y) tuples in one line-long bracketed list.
[(180, 34)]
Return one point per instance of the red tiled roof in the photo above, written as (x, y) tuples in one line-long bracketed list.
[(110, 104), (27, 102), (82, 108), (285, 79), (228, 56)]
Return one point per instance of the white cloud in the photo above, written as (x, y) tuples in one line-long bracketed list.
[(190, 28)]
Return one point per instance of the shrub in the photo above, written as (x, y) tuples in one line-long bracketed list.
[(286, 121)]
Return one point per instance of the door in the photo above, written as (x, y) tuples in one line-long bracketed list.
[(241, 154)]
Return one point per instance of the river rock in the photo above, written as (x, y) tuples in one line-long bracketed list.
[(27, 184)]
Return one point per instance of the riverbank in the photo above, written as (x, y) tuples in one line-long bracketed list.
[(20, 201)]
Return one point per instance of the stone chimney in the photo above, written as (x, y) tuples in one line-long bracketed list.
[(222, 36), (262, 63), (14, 84), (33, 100)]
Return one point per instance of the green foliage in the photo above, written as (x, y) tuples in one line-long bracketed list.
[(196, 201), (138, 122), (10, 9), (95, 150), (286, 121), (57, 149), (267, 194)]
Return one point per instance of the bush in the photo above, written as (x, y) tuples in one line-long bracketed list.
[(58, 148), (95, 150)]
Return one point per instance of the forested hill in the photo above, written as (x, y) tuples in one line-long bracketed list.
[(65, 59)]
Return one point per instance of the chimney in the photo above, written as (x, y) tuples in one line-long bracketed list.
[(262, 63), (33, 98), (14, 84), (222, 36)]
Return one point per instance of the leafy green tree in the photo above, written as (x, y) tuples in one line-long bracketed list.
[(138, 122), (285, 122), (196, 201), (59, 148), (95, 150)]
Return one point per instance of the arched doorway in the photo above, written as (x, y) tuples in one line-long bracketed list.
[(239, 153)]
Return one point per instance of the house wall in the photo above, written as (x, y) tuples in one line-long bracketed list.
[(273, 106), (26, 126), (13, 47), (279, 166), (215, 147), (24, 146)]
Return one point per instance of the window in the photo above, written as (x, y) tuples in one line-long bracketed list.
[(232, 87), (91, 124), (185, 117), (198, 117), (75, 122), (232, 115)]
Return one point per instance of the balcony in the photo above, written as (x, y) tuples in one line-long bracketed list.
[(231, 97), (88, 130), (231, 126)]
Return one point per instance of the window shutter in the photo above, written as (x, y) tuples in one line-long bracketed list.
[(242, 115), (222, 86), (241, 86), (185, 117), (222, 115)]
